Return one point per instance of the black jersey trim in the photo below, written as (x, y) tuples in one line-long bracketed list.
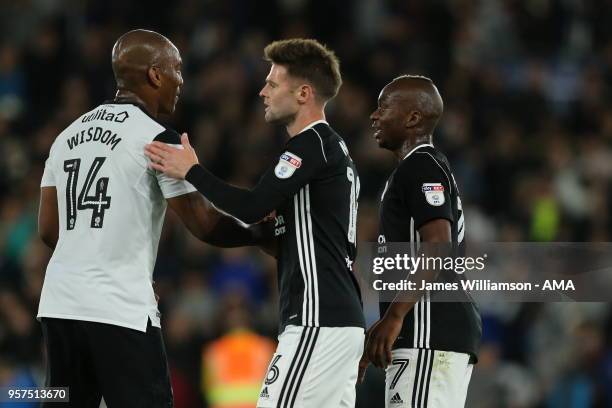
[(417, 377), (309, 355), (300, 361), (127, 101), (428, 376), (168, 136), (422, 376), (293, 385), (296, 356)]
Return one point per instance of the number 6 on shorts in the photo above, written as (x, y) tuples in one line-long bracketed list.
[(273, 371)]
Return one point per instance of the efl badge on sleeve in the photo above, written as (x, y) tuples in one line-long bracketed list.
[(434, 193), (287, 164)]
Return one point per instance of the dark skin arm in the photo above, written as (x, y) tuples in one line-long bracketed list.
[(207, 224), (48, 218), (383, 333)]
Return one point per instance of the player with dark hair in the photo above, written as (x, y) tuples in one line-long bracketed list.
[(428, 348), (102, 211), (313, 187)]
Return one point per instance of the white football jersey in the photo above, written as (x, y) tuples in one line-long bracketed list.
[(111, 210)]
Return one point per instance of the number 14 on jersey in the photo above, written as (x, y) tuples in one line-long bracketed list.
[(99, 201)]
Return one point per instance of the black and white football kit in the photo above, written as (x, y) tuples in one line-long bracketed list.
[(438, 344), (314, 188)]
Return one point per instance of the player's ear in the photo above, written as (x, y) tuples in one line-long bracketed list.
[(154, 76), (304, 92), (413, 119)]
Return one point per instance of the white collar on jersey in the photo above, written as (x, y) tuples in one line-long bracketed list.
[(316, 122), (417, 147)]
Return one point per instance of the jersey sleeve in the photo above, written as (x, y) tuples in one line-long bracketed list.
[(301, 160), (169, 186), (48, 178), (426, 189)]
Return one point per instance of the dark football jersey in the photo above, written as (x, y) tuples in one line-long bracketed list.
[(314, 188), (422, 188)]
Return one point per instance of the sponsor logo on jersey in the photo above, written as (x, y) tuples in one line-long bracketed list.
[(264, 393), (434, 193), (287, 164), (102, 114), (279, 226)]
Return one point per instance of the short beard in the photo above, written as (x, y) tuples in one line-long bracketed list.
[(283, 120)]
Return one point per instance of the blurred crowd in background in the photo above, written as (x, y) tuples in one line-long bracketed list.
[(527, 128)]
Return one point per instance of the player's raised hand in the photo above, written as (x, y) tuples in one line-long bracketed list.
[(381, 337), (173, 161)]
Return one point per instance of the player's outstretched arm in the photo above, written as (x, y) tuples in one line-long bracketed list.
[(209, 225), (48, 218)]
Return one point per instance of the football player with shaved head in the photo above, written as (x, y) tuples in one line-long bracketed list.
[(428, 348), (102, 211)]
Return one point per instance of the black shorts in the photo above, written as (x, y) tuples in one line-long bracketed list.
[(126, 367)]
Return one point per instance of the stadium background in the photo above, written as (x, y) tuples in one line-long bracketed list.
[(527, 128)]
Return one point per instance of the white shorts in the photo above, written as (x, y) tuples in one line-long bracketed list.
[(313, 367), (418, 378)]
